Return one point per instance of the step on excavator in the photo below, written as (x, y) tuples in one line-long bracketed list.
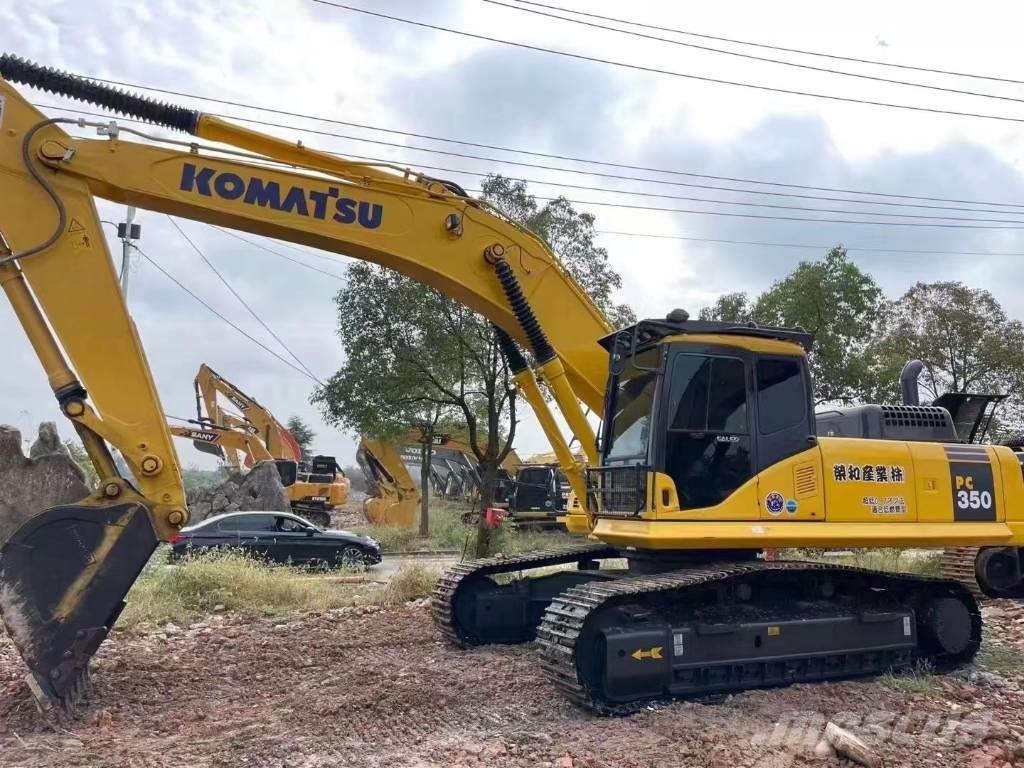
[(708, 449), (314, 488)]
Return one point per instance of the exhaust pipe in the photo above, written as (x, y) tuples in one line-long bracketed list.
[(908, 382)]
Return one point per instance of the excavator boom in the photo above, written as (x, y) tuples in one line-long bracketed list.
[(64, 575)]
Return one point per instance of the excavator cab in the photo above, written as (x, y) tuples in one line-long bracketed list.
[(701, 407)]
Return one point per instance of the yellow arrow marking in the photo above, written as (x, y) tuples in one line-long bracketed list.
[(639, 654)]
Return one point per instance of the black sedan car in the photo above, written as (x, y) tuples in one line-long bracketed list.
[(279, 537)]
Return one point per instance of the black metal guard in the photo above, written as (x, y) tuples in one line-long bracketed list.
[(618, 490)]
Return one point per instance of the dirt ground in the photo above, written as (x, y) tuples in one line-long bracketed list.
[(371, 687)]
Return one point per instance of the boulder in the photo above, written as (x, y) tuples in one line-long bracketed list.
[(29, 485), (48, 442), (260, 490)]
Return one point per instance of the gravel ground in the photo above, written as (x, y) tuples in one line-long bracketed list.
[(371, 687)]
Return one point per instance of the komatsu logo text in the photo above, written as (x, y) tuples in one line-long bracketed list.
[(313, 203)]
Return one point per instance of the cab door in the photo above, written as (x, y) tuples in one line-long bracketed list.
[(707, 449), (789, 464)]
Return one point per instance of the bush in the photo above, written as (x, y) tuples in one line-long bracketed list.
[(224, 581), (410, 582)]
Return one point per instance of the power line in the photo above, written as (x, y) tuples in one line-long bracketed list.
[(530, 153), (281, 255), (621, 177), (1020, 225), (739, 54), (763, 205), (766, 46), (672, 73), (242, 301), (255, 341), (714, 201), (924, 251)]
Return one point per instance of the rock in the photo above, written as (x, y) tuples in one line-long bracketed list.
[(845, 743), (219, 607), (258, 491), (823, 750), (48, 442), (989, 680), (29, 486), (564, 762)]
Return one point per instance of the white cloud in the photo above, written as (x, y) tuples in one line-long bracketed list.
[(299, 56)]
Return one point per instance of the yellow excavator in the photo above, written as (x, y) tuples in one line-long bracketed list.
[(708, 448), (313, 488), (393, 499), (223, 442)]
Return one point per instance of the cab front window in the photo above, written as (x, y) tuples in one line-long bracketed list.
[(631, 399)]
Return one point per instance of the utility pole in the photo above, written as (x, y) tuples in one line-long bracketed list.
[(128, 232)]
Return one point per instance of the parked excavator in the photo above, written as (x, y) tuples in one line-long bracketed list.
[(708, 449), (394, 496), (540, 492), (393, 499), (314, 488)]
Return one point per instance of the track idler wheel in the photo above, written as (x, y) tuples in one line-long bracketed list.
[(63, 579), (999, 571)]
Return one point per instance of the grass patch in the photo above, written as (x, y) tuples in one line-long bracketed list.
[(225, 581), (448, 532), (999, 658), (919, 679), (887, 559), (410, 582)]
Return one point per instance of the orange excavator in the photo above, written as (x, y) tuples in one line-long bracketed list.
[(314, 488)]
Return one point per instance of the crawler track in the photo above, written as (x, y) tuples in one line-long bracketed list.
[(566, 620), (459, 576)]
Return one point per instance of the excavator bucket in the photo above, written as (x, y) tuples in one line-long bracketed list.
[(391, 512), (63, 579)]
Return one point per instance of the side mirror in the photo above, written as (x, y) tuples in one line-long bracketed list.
[(310, 531)]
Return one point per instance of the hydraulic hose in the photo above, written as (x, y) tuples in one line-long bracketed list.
[(513, 357), (19, 70), (542, 349)]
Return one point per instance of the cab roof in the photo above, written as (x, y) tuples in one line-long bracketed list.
[(647, 333)]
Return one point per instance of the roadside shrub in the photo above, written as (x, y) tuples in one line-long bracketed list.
[(225, 581), (410, 582)]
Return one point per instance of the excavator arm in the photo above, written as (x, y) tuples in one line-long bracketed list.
[(224, 441), (63, 575), (278, 440)]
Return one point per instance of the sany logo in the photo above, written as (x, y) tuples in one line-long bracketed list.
[(269, 194), (240, 401), (206, 437)]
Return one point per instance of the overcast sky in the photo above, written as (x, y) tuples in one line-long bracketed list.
[(299, 56)]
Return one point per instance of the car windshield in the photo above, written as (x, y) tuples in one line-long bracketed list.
[(632, 396)]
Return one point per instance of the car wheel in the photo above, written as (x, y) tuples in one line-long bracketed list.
[(352, 559)]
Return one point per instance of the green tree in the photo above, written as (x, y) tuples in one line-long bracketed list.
[(730, 308), (303, 434), (833, 299), (416, 357), (962, 335), (570, 234), (81, 458)]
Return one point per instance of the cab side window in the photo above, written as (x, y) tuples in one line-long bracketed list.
[(781, 401)]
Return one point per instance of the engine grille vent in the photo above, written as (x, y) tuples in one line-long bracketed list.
[(805, 478), (914, 416)]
